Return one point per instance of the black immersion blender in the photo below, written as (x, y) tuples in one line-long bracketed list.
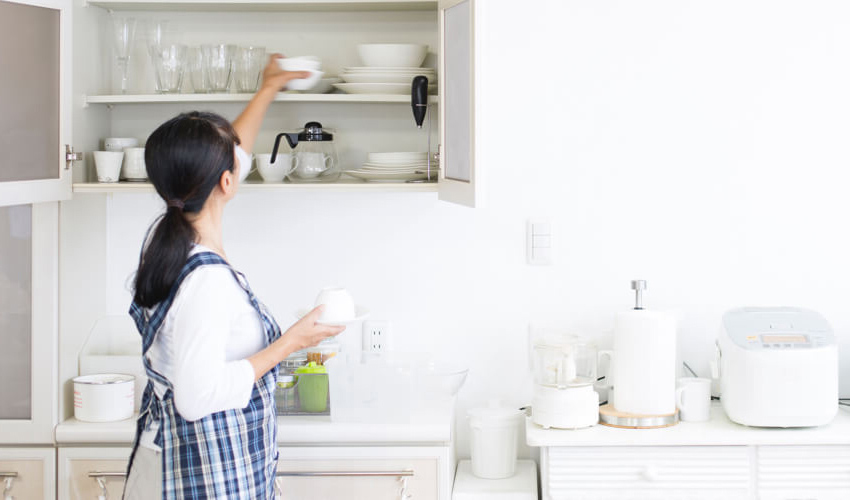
[(419, 103)]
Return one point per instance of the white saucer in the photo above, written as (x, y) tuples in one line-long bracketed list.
[(362, 313)]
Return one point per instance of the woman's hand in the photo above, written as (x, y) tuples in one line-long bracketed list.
[(307, 333), (303, 334), (276, 78)]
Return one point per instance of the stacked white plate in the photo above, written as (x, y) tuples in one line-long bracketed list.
[(384, 80), (402, 166)]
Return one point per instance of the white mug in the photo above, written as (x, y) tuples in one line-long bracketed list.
[(108, 165), (311, 165), (275, 172), (693, 398), (339, 304), (134, 164)]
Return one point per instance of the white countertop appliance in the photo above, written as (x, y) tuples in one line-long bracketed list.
[(778, 367), (564, 368)]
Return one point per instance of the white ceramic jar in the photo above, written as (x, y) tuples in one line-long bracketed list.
[(105, 397)]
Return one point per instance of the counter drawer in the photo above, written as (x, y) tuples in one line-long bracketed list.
[(28, 472), (646, 473), (77, 464), (345, 474), (804, 472)]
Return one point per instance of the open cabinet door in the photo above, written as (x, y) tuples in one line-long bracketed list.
[(459, 175), (35, 97)]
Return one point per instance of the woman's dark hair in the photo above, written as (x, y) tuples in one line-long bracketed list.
[(185, 158)]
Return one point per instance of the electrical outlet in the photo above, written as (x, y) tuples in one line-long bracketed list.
[(376, 336)]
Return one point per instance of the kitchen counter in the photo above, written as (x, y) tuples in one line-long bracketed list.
[(431, 430), (718, 431)]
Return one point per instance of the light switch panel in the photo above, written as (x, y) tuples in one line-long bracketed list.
[(539, 242)]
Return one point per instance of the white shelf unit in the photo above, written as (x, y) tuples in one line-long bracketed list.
[(349, 186), (268, 5), (281, 97)]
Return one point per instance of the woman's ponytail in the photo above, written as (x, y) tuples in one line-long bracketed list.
[(185, 158)]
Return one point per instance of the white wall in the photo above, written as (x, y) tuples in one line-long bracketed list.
[(699, 145)]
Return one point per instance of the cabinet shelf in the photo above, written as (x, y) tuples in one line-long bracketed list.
[(345, 185), (281, 97), (268, 5)]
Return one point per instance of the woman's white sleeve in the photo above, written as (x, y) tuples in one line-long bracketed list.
[(204, 381)]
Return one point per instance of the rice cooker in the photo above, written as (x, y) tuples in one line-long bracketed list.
[(778, 367)]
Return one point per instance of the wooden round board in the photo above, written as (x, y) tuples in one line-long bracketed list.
[(610, 416)]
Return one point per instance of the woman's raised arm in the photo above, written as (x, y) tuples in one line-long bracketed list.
[(247, 124)]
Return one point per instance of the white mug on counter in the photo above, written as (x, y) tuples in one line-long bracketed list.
[(134, 164), (693, 398)]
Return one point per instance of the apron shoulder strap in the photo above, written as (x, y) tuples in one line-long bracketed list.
[(148, 324)]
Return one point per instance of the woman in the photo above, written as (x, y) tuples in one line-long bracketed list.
[(207, 427)]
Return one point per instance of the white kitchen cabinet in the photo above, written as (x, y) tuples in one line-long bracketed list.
[(328, 29), (35, 53), (28, 473), (365, 473), (86, 473), (459, 176), (701, 461)]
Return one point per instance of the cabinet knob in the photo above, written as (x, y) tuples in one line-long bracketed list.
[(650, 473)]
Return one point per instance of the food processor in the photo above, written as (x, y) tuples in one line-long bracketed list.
[(564, 368)]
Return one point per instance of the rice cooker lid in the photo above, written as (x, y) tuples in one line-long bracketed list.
[(777, 328)]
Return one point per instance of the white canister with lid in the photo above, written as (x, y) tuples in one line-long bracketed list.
[(104, 397), (493, 441)]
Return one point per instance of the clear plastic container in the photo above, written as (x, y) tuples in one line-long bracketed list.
[(285, 396)]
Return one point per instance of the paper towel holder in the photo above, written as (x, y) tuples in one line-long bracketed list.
[(638, 286)]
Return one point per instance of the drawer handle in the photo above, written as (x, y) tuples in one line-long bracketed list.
[(8, 479), (400, 473), (101, 477)]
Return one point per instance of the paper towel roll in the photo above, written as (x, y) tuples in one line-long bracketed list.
[(644, 364)]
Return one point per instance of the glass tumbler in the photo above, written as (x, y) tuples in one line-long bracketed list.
[(219, 60), (248, 63), (169, 64), (198, 71)]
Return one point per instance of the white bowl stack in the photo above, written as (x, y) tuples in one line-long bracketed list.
[(401, 166), (389, 69)]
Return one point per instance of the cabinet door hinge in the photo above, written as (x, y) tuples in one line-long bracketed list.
[(71, 156)]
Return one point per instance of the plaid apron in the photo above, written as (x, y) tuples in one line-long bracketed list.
[(229, 454)]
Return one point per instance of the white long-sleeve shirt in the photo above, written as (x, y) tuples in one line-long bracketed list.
[(202, 345)]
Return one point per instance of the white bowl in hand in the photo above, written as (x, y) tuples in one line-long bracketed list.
[(397, 55)]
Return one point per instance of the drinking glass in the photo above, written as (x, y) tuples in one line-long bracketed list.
[(248, 63), (124, 31), (198, 71), (169, 64), (219, 60), (157, 36)]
